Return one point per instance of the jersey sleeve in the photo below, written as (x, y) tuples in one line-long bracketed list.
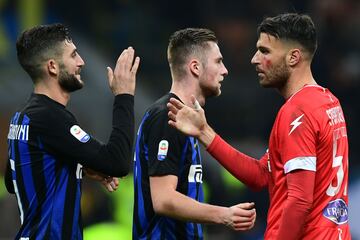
[(61, 135), (165, 146), (252, 172), (297, 133)]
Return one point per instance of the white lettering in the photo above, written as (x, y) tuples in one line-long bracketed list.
[(335, 115), (195, 173), (18, 132)]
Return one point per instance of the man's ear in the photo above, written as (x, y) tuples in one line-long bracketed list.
[(195, 67), (294, 57), (52, 67)]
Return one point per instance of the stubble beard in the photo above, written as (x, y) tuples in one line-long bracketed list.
[(69, 82), (277, 77)]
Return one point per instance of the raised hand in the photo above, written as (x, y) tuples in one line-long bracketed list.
[(190, 121), (123, 78)]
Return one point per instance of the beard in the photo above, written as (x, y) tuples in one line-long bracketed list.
[(69, 82), (276, 77), (210, 91)]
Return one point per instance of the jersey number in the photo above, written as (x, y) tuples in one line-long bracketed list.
[(337, 162)]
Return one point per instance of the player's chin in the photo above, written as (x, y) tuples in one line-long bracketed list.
[(218, 93), (81, 82)]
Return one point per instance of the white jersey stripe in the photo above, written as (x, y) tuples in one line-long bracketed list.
[(12, 164), (19, 202), (304, 163)]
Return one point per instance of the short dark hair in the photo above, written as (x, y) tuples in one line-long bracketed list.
[(39, 44), (185, 42), (293, 27)]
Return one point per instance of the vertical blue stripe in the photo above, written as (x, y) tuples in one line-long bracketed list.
[(192, 185), (75, 228), (199, 230), (49, 177), (183, 156), (138, 177), (193, 151), (198, 151), (58, 209), (156, 233), (12, 142), (11, 152), (25, 163)]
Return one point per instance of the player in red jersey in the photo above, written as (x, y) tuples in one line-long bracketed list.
[(306, 165)]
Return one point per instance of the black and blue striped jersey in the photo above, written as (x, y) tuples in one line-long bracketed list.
[(47, 149), (162, 150)]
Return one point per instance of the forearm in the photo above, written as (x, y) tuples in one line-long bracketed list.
[(250, 171), (179, 206), (207, 135), (298, 204), (115, 157)]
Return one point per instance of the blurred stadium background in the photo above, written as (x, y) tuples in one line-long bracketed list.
[(243, 114)]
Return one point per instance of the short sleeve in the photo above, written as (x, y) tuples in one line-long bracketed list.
[(165, 146), (297, 140)]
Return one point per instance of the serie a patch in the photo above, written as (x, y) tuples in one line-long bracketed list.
[(79, 134), (163, 150)]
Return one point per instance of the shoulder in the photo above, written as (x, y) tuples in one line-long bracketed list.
[(310, 99), (159, 109), (42, 110)]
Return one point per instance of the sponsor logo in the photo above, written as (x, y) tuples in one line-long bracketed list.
[(163, 149), (195, 173), (336, 211), (295, 123), (79, 134)]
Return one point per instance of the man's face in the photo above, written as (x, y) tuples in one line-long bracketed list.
[(213, 72), (270, 61), (70, 68)]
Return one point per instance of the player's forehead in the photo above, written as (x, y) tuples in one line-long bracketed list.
[(267, 40), (68, 47), (214, 50)]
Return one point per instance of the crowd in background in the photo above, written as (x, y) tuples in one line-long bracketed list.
[(243, 114)]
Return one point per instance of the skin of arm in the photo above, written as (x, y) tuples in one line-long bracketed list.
[(167, 201), (110, 183)]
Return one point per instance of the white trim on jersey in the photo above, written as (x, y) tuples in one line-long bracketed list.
[(12, 164), (305, 163), (306, 86)]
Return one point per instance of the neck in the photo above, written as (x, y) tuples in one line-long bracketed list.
[(184, 88), (52, 89), (298, 79)]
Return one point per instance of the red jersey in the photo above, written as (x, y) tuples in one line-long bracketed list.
[(309, 134)]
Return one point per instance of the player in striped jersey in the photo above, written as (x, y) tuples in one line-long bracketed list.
[(168, 169), (306, 166), (48, 148)]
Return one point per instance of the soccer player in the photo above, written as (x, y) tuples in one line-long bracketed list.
[(48, 148), (168, 169), (306, 166)]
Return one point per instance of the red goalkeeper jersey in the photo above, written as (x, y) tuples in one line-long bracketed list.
[(309, 133), (308, 148)]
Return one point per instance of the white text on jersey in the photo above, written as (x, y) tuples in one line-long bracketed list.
[(18, 132), (335, 115)]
